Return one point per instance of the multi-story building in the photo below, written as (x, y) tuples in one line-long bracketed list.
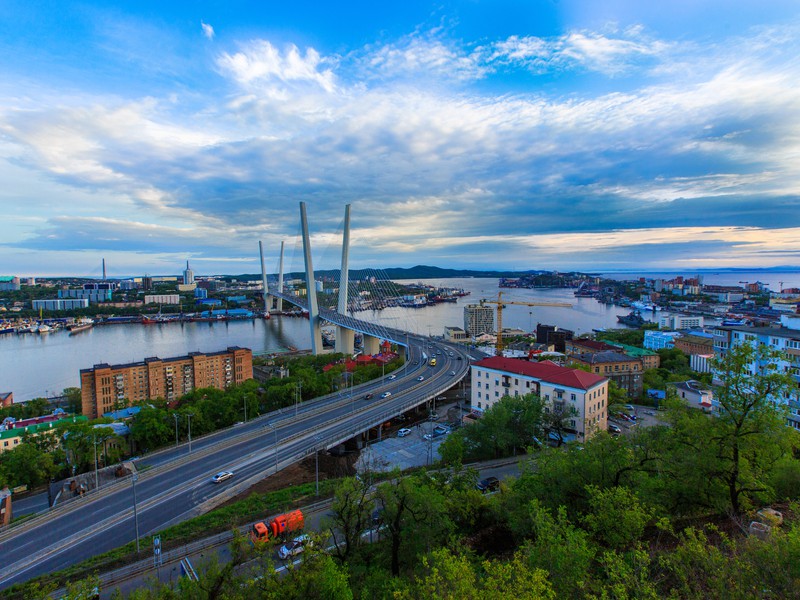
[(455, 334), (785, 338), (680, 322), (105, 387), (60, 304), (623, 370), (8, 283), (478, 319), (553, 335), (162, 299), (94, 296), (560, 387), (656, 340), (582, 346), (695, 343), (188, 275), (650, 359)]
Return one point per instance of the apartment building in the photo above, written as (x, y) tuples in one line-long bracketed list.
[(104, 387), (478, 319), (650, 359), (496, 377), (623, 370), (785, 338)]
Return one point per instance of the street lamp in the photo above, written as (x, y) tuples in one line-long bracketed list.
[(189, 418), (176, 428), (94, 443), (134, 479)]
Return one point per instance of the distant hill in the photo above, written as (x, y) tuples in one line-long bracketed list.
[(417, 272)]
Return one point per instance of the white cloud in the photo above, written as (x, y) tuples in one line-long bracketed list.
[(578, 49), (208, 30), (259, 62)]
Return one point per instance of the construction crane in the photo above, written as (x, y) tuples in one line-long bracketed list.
[(500, 304)]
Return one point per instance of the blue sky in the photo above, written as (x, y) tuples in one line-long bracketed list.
[(478, 134)]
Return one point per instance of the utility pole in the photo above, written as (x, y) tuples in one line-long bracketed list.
[(94, 443), (134, 479), (189, 418), (275, 431), (176, 428)]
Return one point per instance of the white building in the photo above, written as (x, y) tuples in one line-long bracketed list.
[(496, 377), (696, 394), (162, 299), (455, 334), (478, 319), (680, 322), (188, 275)]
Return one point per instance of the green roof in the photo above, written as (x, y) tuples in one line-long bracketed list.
[(11, 433), (5, 278), (634, 351)]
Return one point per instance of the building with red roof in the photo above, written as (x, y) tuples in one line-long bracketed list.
[(560, 387)]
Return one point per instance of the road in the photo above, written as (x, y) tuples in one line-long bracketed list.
[(169, 571), (174, 485)]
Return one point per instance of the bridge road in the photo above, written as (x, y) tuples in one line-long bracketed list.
[(178, 487)]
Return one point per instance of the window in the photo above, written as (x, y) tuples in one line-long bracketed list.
[(497, 394), (479, 394), (572, 397)]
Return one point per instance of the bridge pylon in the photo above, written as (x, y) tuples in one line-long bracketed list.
[(311, 286), (345, 338)]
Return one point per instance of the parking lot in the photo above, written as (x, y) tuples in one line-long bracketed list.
[(646, 416), (411, 450)]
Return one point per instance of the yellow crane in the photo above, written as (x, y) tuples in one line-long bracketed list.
[(500, 304)]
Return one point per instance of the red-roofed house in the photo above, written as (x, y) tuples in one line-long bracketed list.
[(495, 377)]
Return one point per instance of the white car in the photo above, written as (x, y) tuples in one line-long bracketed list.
[(404, 432), (222, 476), (452, 373), (386, 394), (421, 378), (293, 548), (391, 377)]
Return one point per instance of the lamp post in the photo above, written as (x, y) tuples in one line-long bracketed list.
[(245, 408), (134, 479), (316, 457), (189, 418), (94, 444), (176, 428)]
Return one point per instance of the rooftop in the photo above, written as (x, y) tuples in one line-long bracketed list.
[(544, 371), (609, 356)]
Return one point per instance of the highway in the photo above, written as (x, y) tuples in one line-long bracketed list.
[(174, 485)]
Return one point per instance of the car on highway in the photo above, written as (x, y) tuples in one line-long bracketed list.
[(404, 432), (368, 396), (222, 476), (293, 548), (458, 357), (421, 378), (452, 373), (392, 377), (386, 394), (490, 484)]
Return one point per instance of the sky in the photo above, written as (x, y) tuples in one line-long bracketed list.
[(486, 134)]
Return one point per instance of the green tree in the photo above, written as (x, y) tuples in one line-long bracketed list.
[(152, 427), (28, 465), (616, 517), (351, 516)]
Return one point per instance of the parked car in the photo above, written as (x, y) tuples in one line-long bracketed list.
[(490, 484), (427, 437), (614, 428), (630, 407), (386, 394), (440, 430), (293, 548), (404, 432), (434, 416), (222, 476)]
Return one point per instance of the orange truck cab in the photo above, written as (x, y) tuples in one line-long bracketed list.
[(278, 527)]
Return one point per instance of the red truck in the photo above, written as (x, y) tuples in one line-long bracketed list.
[(278, 527)]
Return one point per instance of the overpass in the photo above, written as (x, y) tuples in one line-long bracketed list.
[(173, 484)]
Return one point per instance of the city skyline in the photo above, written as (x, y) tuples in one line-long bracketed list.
[(482, 135)]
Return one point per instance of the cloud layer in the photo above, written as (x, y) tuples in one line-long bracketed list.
[(584, 149)]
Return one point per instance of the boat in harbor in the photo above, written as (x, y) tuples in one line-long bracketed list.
[(44, 328), (79, 326), (644, 306), (632, 319)]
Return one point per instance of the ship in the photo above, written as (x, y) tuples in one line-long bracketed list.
[(632, 319), (44, 328), (79, 326)]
